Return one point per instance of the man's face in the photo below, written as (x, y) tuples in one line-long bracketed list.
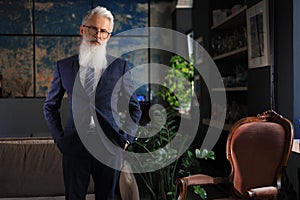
[(96, 30)]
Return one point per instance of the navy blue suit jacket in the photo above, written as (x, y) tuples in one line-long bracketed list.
[(65, 78)]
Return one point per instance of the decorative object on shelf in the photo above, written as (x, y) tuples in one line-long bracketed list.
[(240, 78), (219, 15), (232, 19), (218, 45), (229, 41), (235, 8), (258, 35), (233, 112), (241, 74), (229, 81)]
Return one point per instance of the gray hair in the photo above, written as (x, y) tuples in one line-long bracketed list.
[(99, 11)]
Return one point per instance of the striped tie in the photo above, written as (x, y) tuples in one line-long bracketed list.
[(89, 81)]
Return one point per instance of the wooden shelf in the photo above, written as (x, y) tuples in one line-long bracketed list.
[(233, 20), (233, 53), (216, 124), (230, 89)]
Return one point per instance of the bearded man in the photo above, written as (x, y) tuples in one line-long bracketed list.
[(91, 79)]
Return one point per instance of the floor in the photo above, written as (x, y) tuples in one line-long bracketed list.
[(89, 197)]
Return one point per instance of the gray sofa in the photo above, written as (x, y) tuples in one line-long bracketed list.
[(30, 167)]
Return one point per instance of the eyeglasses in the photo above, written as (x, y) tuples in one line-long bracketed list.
[(94, 31)]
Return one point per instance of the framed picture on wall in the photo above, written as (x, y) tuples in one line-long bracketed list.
[(258, 35)]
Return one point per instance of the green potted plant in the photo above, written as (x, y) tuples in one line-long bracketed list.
[(191, 164), (161, 184), (178, 84), (177, 92)]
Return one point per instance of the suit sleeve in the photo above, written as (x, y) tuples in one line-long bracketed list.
[(134, 107), (52, 105)]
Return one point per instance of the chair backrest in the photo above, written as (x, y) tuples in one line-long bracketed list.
[(258, 148)]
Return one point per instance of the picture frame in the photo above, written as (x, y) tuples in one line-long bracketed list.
[(258, 35)]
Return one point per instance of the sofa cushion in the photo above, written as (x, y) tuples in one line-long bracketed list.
[(30, 167)]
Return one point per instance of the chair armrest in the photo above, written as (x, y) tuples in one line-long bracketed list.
[(199, 179), (202, 179), (262, 192)]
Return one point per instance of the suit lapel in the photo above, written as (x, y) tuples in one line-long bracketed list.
[(104, 73), (75, 70), (75, 67)]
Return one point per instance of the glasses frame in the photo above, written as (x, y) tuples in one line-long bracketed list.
[(101, 31)]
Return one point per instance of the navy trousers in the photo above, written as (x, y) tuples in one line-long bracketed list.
[(77, 172)]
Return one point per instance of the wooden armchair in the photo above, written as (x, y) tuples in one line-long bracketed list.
[(258, 149)]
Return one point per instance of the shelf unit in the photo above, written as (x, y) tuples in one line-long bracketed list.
[(227, 62)]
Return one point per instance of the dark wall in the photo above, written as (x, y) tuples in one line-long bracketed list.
[(24, 118), (283, 59), (201, 20), (287, 61), (259, 90), (260, 80), (182, 20), (278, 86), (296, 36)]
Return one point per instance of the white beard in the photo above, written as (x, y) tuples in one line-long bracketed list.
[(92, 55)]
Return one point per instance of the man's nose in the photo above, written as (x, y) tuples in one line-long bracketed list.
[(98, 35)]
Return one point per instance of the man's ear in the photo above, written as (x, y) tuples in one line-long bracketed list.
[(108, 38), (81, 30)]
